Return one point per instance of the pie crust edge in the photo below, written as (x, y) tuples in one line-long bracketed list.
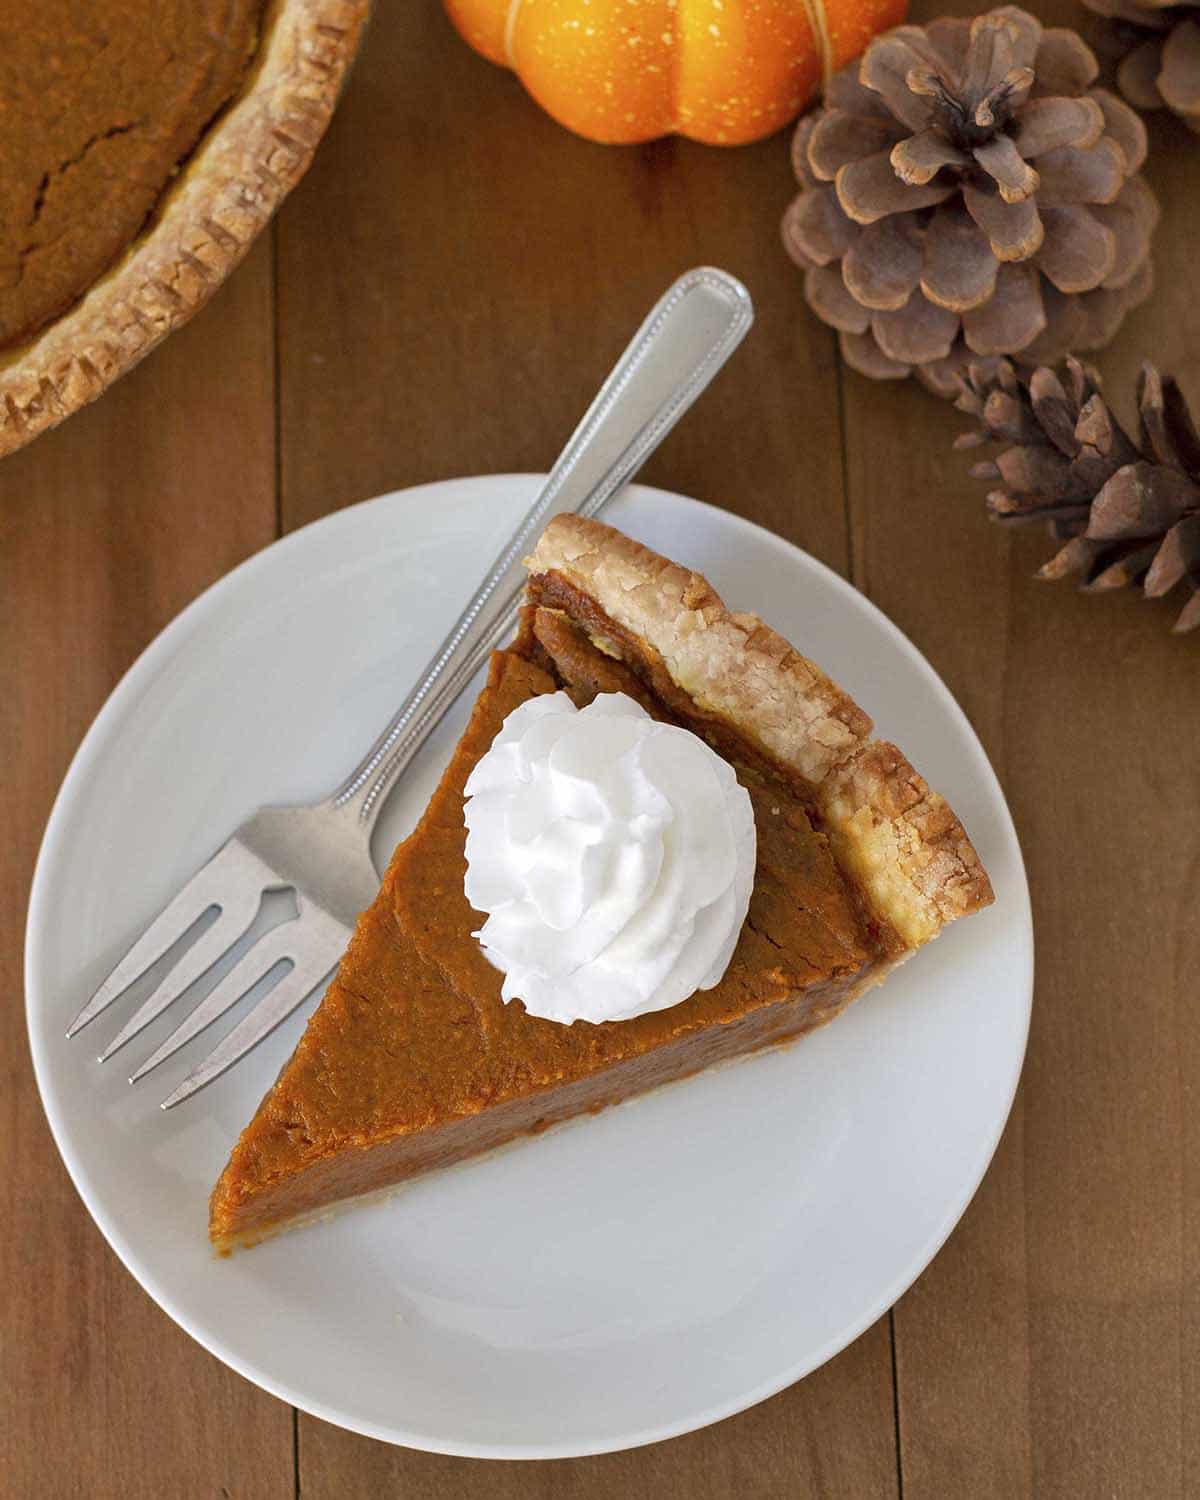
[(898, 839), (204, 224)]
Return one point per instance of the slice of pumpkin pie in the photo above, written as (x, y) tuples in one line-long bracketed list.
[(684, 845)]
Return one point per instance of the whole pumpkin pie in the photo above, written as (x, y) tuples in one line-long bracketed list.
[(145, 143), (414, 1061)]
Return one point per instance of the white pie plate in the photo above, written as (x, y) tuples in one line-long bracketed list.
[(621, 1279)]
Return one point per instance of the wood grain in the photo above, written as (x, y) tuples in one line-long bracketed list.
[(822, 1437), (1049, 1349), (455, 283), (447, 287), (108, 527)]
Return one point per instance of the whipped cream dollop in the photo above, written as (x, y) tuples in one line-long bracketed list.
[(613, 856)]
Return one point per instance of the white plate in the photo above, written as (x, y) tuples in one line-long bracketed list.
[(617, 1281)]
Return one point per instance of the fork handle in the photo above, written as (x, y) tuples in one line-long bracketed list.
[(685, 340)]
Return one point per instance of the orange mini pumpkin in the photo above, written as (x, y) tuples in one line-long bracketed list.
[(721, 71)]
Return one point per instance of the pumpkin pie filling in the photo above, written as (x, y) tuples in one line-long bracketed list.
[(103, 101), (413, 1061)]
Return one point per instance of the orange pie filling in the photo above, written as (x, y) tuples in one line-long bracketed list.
[(413, 1061), (442, 1068)]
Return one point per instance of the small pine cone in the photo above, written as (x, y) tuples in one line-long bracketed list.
[(1128, 512), (1157, 51), (966, 191)]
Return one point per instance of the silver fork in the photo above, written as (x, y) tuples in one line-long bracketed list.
[(322, 852)]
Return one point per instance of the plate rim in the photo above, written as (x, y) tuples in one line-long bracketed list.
[(75, 779)]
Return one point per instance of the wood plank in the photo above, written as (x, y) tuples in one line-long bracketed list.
[(454, 281), (108, 526), (1051, 1347), (1110, 1182), (823, 1437), (925, 554)]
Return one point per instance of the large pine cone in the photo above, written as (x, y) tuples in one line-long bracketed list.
[(1127, 508), (965, 192), (1158, 45)]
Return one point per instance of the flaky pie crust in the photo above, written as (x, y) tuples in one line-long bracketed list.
[(241, 171), (898, 840)]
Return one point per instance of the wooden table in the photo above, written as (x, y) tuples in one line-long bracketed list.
[(440, 297)]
